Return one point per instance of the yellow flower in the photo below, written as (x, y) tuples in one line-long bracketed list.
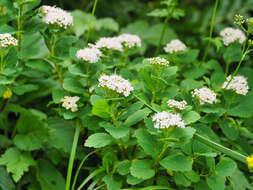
[(7, 94), (250, 161)]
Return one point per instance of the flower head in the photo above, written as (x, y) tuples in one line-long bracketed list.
[(158, 61), (69, 102), (165, 120), (7, 40), (175, 46), (176, 104), (56, 16), (238, 19), (110, 43), (250, 161), (116, 83), (204, 95), (91, 55), (130, 40), (239, 84), (230, 35)]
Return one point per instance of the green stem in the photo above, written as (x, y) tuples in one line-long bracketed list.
[(211, 30), (57, 70), (223, 149), (170, 11), (87, 77), (20, 12), (2, 61), (91, 21), (79, 168), (158, 71), (72, 155), (125, 57)]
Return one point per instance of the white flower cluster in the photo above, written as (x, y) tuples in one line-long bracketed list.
[(158, 61), (116, 83), (7, 40), (175, 46), (205, 95), (91, 55), (69, 102), (112, 43), (56, 16), (177, 104), (130, 40), (230, 35), (165, 120), (239, 84)]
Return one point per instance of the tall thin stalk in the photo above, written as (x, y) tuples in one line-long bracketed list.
[(91, 21), (2, 61), (20, 12), (171, 7), (211, 29), (72, 155)]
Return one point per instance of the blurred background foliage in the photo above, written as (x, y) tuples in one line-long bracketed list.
[(131, 16)]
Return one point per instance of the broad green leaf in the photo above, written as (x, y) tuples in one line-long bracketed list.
[(177, 162), (190, 84), (78, 69), (112, 182), (158, 13), (116, 132), (191, 117), (216, 182), (6, 182), (49, 177), (229, 129), (181, 179), (184, 135), (16, 162), (192, 176), (39, 64), (225, 167), (123, 167), (107, 23), (101, 109), (22, 89), (58, 94), (98, 140), (137, 116), (148, 142), (73, 85), (61, 134), (133, 180), (142, 169), (32, 132), (239, 181), (62, 46)]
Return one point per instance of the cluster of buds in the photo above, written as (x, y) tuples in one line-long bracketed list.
[(238, 19)]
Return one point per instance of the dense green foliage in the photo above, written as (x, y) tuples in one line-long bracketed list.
[(109, 142)]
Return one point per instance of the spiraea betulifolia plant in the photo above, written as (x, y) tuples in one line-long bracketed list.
[(87, 104)]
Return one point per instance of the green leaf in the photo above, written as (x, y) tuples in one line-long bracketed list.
[(98, 140), (62, 46), (190, 84), (116, 133), (32, 132), (225, 167), (191, 117), (101, 109), (180, 179), (177, 162), (229, 129), (78, 69), (149, 143), (133, 180), (73, 85), (112, 182), (6, 182), (216, 182), (142, 169), (107, 23), (184, 135), (123, 167), (49, 177), (22, 89), (58, 94), (16, 162), (239, 181), (158, 13), (61, 134), (39, 64), (137, 116)]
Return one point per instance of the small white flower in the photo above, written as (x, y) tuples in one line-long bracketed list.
[(176, 104), (175, 46), (204, 95), (116, 83), (7, 40), (109, 43), (239, 84), (56, 16), (158, 61), (69, 102), (91, 55), (165, 120), (130, 40), (230, 35)]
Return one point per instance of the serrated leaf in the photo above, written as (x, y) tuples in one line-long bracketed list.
[(142, 169), (98, 140), (177, 162), (16, 162), (116, 132)]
